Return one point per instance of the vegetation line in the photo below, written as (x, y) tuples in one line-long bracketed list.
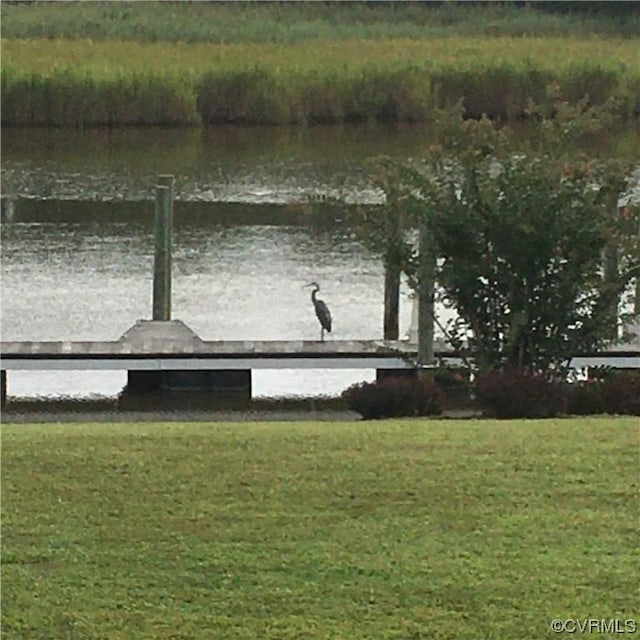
[(107, 83)]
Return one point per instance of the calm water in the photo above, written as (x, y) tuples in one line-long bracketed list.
[(77, 245), (92, 281), (224, 164)]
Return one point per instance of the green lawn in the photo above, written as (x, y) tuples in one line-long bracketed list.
[(399, 529)]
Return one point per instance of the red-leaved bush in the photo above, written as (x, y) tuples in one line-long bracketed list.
[(394, 397), (610, 392), (515, 393), (621, 391)]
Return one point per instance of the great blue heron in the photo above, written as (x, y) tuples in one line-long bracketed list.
[(322, 311)]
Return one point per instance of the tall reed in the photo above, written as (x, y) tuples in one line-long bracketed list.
[(87, 83)]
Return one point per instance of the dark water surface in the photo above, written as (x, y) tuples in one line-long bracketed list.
[(231, 164)]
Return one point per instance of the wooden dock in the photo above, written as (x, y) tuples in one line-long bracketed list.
[(170, 345), (165, 355), (168, 355)]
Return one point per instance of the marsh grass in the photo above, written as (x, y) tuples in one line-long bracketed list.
[(93, 83), (106, 63), (398, 529), (287, 23)]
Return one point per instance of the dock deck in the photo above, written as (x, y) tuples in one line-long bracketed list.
[(171, 345)]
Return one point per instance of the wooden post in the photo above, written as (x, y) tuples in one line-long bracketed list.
[(426, 305), (636, 300), (3, 388), (162, 256), (610, 276), (392, 270), (391, 297)]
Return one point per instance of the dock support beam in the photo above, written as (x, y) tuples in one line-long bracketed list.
[(162, 254)]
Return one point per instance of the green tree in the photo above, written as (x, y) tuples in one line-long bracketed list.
[(522, 244), (533, 252)]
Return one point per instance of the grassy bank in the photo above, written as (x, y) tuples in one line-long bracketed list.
[(96, 83), (401, 529), (289, 22)]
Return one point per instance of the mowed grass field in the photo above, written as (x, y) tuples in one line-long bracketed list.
[(395, 529)]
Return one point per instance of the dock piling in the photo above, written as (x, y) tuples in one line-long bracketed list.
[(426, 306), (392, 274), (162, 257)]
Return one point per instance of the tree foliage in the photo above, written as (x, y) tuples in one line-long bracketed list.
[(521, 244)]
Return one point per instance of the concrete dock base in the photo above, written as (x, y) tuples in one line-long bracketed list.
[(187, 389)]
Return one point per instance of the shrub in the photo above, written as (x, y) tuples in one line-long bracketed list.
[(606, 391), (621, 392), (393, 397), (586, 398), (451, 377), (515, 393), (454, 381)]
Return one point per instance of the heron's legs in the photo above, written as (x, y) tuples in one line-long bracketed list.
[(322, 334)]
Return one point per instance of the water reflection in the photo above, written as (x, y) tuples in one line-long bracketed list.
[(231, 164), (271, 164)]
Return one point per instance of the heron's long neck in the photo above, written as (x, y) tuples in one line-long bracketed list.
[(313, 293)]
